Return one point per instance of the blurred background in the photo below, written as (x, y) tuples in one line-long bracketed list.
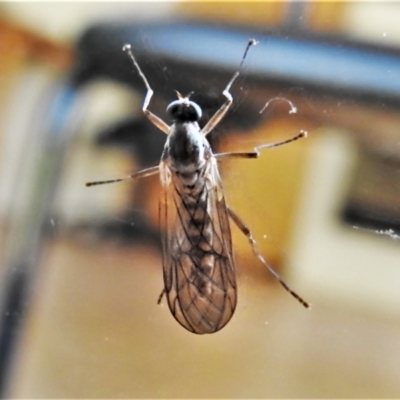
[(81, 267)]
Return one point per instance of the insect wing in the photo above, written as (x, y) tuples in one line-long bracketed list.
[(199, 273)]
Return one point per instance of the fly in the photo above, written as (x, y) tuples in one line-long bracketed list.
[(198, 266)]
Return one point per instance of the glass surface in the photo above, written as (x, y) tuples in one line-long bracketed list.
[(82, 266)]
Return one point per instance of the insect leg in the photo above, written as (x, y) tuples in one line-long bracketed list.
[(144, 173), (256, 152), (216, 118), (246, 231), (247, 154), (161, 296), (158, 122)]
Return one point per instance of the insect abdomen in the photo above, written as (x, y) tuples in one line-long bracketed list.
[(205, 296)]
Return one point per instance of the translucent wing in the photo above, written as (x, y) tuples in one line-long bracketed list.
[(199, 274)]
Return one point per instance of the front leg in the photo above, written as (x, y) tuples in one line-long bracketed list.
[(216, 118), (158, 122)]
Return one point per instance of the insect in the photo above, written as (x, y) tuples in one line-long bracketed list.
[(198, 265)]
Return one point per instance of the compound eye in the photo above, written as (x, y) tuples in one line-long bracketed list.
[(196, 109), (183, 110), (173, 107)]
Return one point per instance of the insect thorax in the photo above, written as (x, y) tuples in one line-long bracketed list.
[(186, 149)]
